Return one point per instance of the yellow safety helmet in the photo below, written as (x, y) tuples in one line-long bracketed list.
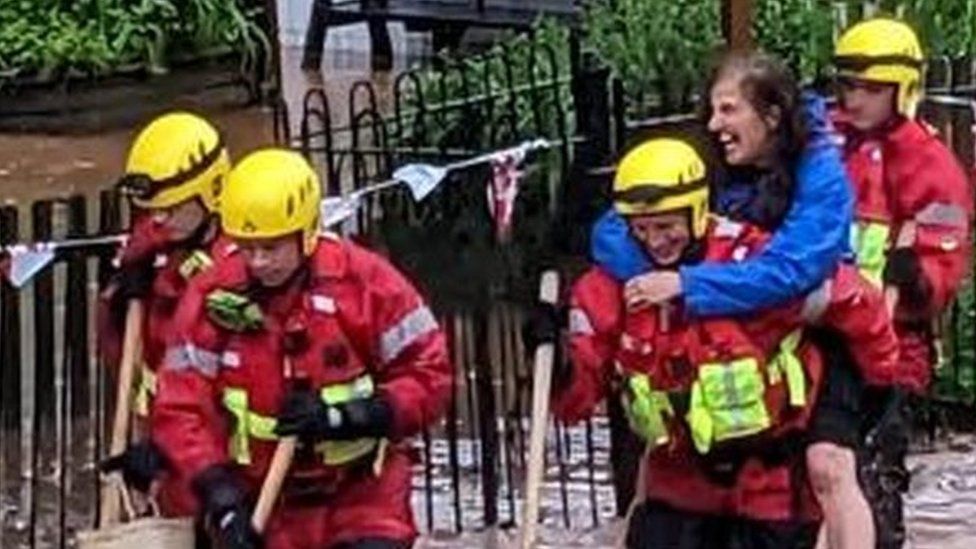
[(663, 175), (272, 193), (178, 156), (887, 51)]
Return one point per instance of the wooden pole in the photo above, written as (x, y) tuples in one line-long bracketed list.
[(131, 354), (737, 23), (548, 293), (277, 470)]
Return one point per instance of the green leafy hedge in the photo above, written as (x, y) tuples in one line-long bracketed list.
[(57, 37), (956, 379), (660, 49), (799, 31), (803, 31)]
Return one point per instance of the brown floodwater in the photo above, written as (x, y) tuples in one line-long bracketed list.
[(36, 166)]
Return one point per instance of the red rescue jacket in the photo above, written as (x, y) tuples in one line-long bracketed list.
[(603, 333), (171, 275), (905, 174), (173, 268), (361, 320)]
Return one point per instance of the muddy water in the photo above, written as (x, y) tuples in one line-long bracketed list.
[(43, 166), (941, 507)]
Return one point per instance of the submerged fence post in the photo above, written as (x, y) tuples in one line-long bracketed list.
[(10, 375), (488, 421)]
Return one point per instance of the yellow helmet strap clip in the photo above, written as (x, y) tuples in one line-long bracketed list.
[(143, 187)]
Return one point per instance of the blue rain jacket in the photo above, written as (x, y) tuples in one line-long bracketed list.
[(804, 250)]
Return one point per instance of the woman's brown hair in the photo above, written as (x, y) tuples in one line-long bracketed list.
[(771, 89)]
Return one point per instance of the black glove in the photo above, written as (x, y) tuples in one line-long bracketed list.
[(904, 271), (305, 415), (139, 463), (543, 325), (134, 281), (225, 513), (546, 321)]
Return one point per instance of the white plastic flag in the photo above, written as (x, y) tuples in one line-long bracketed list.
[(420, 178), (24, 262), (336, 209)]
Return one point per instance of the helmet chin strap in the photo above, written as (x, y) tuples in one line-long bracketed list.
[(202, 235)]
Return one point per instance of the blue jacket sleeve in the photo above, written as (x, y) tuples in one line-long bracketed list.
[(805, 249), (613, 249)]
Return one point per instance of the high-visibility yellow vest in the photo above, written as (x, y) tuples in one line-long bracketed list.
[(250, 424), (145, 391), (727, 399), (869, 240)]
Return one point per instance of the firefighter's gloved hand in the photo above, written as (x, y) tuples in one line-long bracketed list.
[(544, 325), (225, 512), (904, 271), (134, 281), (233, 530), (140, 464), (306, 415)]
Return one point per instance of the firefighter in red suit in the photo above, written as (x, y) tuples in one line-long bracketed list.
[(914, 216), (307, 335), (174, 174), (722, 403)]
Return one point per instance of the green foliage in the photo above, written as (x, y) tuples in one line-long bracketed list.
[(50, 37), (956, 380), (799, 31), (658, 48), (802, 31), (471, 102)]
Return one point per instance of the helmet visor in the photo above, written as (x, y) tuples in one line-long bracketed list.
[(652, 193), (143, 188)]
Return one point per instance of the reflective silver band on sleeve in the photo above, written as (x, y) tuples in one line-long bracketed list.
[(579, 322), (416, 324), (188, 356), (943, 215)]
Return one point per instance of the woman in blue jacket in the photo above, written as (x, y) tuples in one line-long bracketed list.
[(798, 190), (786, 175)]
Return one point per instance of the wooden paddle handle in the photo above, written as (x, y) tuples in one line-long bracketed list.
[(131, 353), (277, 471), (542, 379)]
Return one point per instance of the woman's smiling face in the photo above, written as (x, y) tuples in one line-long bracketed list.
[(747, 138)]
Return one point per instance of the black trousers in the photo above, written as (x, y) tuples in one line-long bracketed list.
[(656, 525)]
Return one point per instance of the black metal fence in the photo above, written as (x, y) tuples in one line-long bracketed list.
[(51, 385)]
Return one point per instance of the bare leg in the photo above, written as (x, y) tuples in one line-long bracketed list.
[(848, 523)]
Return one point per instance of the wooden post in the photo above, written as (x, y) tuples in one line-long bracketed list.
[(737, 23)]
